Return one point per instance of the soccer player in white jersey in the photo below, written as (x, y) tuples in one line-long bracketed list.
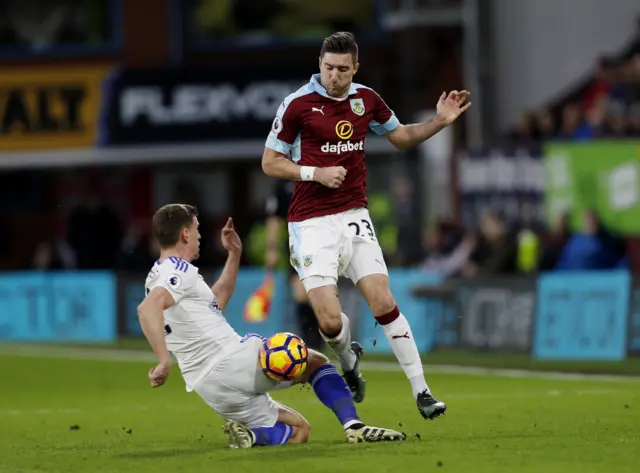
[(317, 139), (182, 315)]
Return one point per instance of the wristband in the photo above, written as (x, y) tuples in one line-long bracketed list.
[(307, 172)]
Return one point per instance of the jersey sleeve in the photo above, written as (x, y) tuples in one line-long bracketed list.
[(179, 278), (384, 120), (284, 129)]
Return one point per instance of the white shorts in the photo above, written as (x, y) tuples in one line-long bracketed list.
[(237, 389), (343, 244)]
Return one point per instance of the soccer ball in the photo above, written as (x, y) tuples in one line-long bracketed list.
[(284, 356)]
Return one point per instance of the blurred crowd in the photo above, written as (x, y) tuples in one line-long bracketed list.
[(96, 234), (608, 106), (495, 249)]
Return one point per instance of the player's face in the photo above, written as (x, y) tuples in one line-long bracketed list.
[(336, 73), (192, 236)]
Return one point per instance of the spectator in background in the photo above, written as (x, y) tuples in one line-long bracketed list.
[(446, 254), (496, 251), (94, 234), (571, 119), (592, 125), (545, 124), (139, 250), (621, 89), (554, 246), (524, 132), (602, 84), (618, 101), (52, 256), (615, 121), (633, 94), (594, 248), (409, 249), (186, 191)]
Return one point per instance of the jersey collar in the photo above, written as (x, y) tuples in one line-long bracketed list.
[(316, 86)]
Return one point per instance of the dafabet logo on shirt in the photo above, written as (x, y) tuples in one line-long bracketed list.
[(344, 131)]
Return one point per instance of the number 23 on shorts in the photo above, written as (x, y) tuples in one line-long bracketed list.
[(363, 227)]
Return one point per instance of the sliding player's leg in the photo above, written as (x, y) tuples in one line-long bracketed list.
[(237, 390), (332, 391), (265, 422)]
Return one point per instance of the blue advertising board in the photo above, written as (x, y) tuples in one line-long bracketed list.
[(634, 320), (582, 316), (58, 306)]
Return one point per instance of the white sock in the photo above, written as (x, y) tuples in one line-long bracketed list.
[(341, 345), (351, 423), (406, 351)]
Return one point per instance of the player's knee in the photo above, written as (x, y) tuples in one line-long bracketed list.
[(382, 304), (316, 361), (378, 294), (300, 432), (329, 323), (329, 317)]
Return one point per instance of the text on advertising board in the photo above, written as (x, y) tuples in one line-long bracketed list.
[(50, 108)]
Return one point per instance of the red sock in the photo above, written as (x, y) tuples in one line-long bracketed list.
[(386, 319)]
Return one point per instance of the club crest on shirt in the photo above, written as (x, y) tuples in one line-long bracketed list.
[(174, 281), (307, 260), (357, 106)]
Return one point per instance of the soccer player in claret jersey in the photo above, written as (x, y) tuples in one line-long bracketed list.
[(182, 315), (317, 139)]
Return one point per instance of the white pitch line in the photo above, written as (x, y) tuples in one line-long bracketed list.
[(138, 356), (448, 397)]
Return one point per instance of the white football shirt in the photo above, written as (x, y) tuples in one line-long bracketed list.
[(196, 331)]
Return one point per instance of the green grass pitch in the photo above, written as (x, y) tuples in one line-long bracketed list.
[(90, 416)]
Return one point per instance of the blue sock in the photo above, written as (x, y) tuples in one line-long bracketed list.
[(279, 434), (334, 393)]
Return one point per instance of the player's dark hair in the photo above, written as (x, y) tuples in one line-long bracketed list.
[(342, 42), (168, 222)]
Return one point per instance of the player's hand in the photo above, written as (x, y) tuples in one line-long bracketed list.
[(230, 239), (159, 374), (331, 177), (451, 106)]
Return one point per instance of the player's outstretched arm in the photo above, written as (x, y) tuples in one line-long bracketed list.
[(225, 285), (449, 108), (150, 314)]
